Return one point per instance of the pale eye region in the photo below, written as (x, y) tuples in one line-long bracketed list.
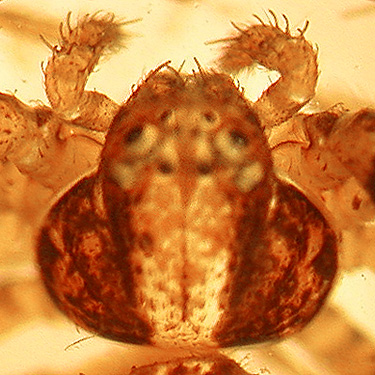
[(249, 176), (231, 144), (244, 169), (127, 155), (186, 138), (190, 148)]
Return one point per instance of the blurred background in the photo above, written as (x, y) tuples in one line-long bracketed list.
[(35, 339)]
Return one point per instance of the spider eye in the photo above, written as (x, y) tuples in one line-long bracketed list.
[(134, 135), (238, 138), (231, 144), (141, 139)]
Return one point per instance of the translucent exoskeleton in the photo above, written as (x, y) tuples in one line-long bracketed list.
[(190, 233)]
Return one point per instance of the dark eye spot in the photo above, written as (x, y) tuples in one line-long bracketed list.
[(238, 138), (209, 116), (194, 132), (165, 115), (134, 134), (251, 117), (356, 202), (204, 168), (165, 168), (146, 243)]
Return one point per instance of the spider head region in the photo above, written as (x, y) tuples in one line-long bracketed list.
[(189, 130)]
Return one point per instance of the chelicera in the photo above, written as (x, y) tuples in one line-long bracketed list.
[(187, 234)]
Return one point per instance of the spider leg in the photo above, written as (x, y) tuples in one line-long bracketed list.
[(35, 140), (343, 151), (330, 155), (17, 122), (71, 63), (315, 166), (276, 49), (28, 134), (352, 140), (342, 146)]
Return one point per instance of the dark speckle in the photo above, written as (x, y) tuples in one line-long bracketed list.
[(165, 115), (146, 242), (134, 134), (204, 168), (238, 138), (165, 168), (356, 203), (209, 116)]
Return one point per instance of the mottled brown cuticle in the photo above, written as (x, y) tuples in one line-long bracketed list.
[(202, 224)]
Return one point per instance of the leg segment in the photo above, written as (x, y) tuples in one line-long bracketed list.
[(41, 144), (67, 70), (331, 156), (276, 49), (353, 142), (342, 146)]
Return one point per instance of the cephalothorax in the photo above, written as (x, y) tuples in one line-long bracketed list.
[(186, 235)]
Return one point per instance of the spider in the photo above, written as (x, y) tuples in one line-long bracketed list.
[(196, 229)]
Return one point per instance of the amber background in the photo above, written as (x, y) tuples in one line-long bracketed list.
[(33, 336)]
